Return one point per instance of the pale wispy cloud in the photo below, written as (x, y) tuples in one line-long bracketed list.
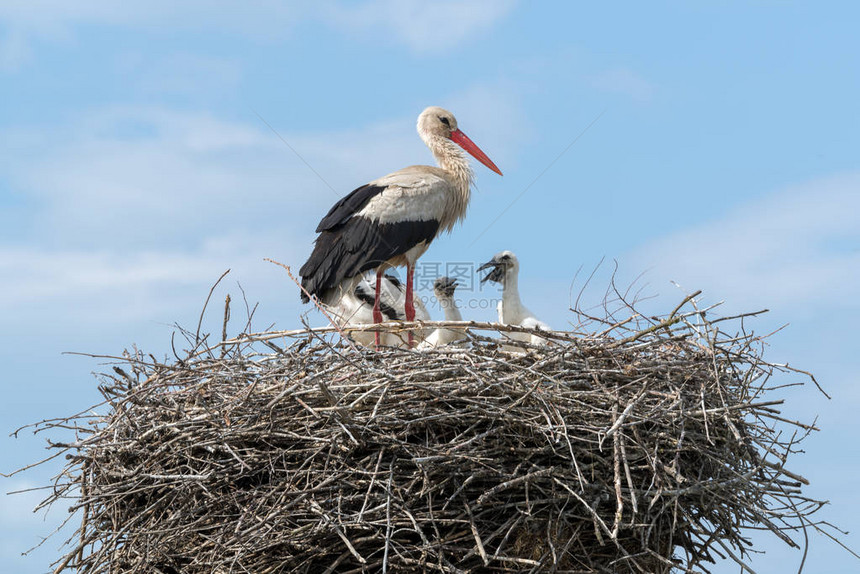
[(422, 26), (23, 22), (152, 175), (135, 211), (113, 286), (181, 74), (14, 49), (56, 17), (799, 246), (626, 82)]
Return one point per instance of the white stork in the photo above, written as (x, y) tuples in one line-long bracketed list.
[(391, 221), (355, 307), (444, 288), (505, 271)]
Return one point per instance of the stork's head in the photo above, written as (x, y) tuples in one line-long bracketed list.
[(503, 264), (444, 288), (436, 122)]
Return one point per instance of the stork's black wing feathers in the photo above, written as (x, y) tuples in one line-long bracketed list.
[(394, 281), (348, 206), (368, 297), (357, 245)]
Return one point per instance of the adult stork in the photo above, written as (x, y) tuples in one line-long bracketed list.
[(505, 270), (391, 221)]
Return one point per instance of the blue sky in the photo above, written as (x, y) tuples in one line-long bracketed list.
[(134, 170)]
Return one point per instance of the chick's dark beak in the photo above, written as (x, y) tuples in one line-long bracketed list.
[(497, 273), (445, 286)]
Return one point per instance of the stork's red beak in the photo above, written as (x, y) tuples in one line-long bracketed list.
[(464, 142)]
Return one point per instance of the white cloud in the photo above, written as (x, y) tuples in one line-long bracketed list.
[(14, 49), (800, 246), (626, 82), (137, 211), (422, 26), (57, 20), (152, 175), (181, 74), (115, 286), (77, 291), (57, 16)]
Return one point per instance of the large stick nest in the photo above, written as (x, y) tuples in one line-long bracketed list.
[(641, 448)]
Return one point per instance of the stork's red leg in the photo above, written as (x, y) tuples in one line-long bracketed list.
[(410, 304), (377, 314)]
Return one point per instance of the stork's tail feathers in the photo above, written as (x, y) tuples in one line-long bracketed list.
[(329, 264)]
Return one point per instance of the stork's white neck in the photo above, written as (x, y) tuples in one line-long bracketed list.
[(511, 310), (452, 313), (452, 159), (511, 289)]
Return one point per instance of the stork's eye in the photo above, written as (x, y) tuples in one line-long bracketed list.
[(445, 121)]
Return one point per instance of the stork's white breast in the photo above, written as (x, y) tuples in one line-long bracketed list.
[(412, 198)]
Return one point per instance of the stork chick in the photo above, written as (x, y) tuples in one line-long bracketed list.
[(444, 288), (504, 270), (355, 307)]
